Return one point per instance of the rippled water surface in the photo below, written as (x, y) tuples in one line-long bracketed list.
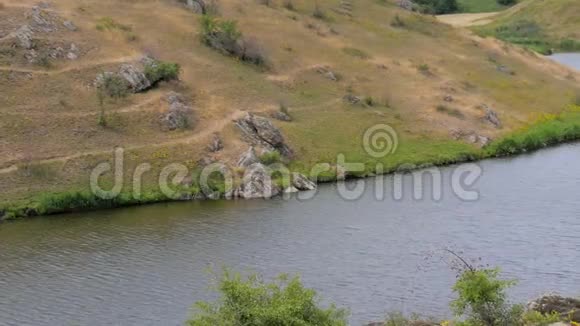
[(147, 265)]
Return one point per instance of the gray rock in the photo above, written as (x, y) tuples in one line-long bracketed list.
[(216, 144), (471, 137), (248, 158), (42, 21), (407, 4), (352, 99), (491, 116), (291, 190), (70, 26), (260, 131), (24, 37), (279, 115), (177, 115), (195, 6), (448, 98), (301, 182), (136, 78), (566, 307), (257, 183)]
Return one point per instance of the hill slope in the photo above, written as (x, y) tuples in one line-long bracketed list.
[(540, 24), (428, 81)]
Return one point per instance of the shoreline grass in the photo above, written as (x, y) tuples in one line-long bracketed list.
[(548, 130)]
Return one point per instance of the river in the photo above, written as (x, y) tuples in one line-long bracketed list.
[(148, 265)]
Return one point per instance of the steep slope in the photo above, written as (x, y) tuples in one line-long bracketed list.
[(433, 84), (540, 24)]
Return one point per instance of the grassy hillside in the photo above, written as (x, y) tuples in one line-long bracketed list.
[(542, 25), (425, 79)]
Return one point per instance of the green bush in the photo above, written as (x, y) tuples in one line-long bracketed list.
[(270, 157), (113, 86), (224, 36), (507, 2), (482, 298), (162, 71), (251, 301), (437, 7)]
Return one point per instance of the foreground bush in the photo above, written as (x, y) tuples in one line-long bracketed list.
[(251, 301), (162, 71)]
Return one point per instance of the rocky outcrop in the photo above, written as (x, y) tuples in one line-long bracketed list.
[(135, 77), (301, 182), (70, 25), (260, 131), (248, 158), (352, 99), (23, 37), (257, 183), (568, 308), (43, 21)]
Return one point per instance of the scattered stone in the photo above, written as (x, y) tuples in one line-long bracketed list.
[(136, 78), (301, 182), (471, 137), (282, 116), (407, 5), (506, 70), (448, 98), (70, 26), (327, 73), (248, 158), (568, 308), (491, 116), (257, 183), (216, 144), (31, 56), (261, 132), (24, 37), (352, 99), (177, 116), (196, 6), (56, 53)]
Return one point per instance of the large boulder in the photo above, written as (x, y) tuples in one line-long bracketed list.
[(257, 183), (42, 20), (261, 132), (568, 308), (135, 77)]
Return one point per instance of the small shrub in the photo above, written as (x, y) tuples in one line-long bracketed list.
[(108, 23), (398, 22), (450, 111), (507, 2), (270, 158), (424, 68), (356, 53), (289, 4), (535, 318), (318, 13), (113, 86), (43, 60), (162, 71), (251, 301), (370, 101)]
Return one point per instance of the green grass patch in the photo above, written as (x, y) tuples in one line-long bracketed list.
[(478, 6)]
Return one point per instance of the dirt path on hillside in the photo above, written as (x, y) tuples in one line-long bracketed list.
[(79, 66), (466, 20)]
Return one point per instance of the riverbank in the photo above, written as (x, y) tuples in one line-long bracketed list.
[(547, 130)]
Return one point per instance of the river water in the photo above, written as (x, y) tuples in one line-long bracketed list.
[(148, 265), (568, 59)]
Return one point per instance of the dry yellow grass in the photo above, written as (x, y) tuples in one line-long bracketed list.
[(49, 115)]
